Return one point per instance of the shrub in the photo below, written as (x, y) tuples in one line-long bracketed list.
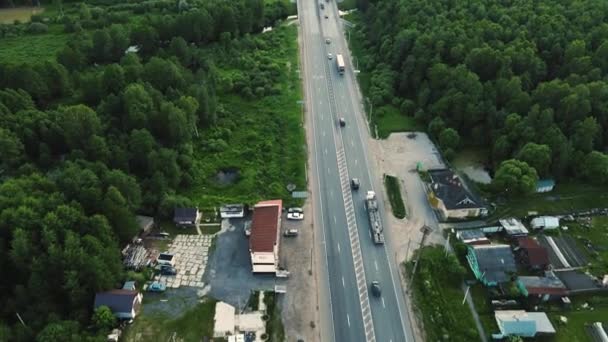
[(37, 28)]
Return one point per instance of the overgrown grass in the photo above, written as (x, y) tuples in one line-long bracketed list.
[(438, 297), (345, 5), (22, 14), (194, 325), (565, 198), (264, 136), (389, 120), (274, 325), (597, 235), (31, 48), (393, 189)]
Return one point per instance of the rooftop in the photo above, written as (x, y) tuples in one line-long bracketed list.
[(537, 254), (448, 187), (545, 222), (116, 300), (549, 284), (510, 321), (513, 226), (472, 236), (185, 214), (265, 226), (493, 262)]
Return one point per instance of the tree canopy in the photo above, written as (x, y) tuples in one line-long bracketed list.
[(527, 78)]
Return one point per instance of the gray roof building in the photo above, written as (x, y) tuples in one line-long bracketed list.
[(491, 264)]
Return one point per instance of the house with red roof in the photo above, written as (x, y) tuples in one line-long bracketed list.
[(264, 239), (531, 254)]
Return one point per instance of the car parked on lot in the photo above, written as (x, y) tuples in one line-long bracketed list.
[(295, 210), (157, 287), (295, 216), (168, 270), (291, 232)]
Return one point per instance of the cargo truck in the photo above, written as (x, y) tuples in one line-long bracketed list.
[(340, 63), (371, 204)]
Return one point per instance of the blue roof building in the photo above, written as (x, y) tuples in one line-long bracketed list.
[(545, 185)]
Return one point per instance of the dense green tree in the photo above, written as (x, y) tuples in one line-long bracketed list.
[(11, 150), (449, 138), (585, 134), (113, 79), (103, 318), (537, 156), (78, 124), (515, 177), (595, 167)]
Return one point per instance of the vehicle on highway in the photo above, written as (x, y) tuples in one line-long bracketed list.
[(326, 16), (340, 63), (330, 56), (322, 5), (290, 232), (156, 287), (375, 223), (295, 216), (327, 41), (354, 183), (342, 122), (168, 270), (376, 288)]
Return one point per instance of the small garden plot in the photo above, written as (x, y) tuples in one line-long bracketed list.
[(563, 251)]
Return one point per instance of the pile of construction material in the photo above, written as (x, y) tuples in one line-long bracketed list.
[(135, 257)]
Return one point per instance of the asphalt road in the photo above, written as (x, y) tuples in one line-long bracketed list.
[(352, 259)]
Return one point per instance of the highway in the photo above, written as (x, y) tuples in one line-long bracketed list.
[(352, 261)]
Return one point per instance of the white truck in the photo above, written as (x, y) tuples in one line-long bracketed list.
[(340, 63), (371, 204)]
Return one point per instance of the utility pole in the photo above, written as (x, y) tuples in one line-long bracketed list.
[(447, 244), (426, 230), (21, 320)]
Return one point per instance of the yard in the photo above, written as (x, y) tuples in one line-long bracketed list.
[(594, 242), (192, 325), (438, 297), (564, 199)]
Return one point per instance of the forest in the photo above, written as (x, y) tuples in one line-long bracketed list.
[(526, 78), (113, 125)]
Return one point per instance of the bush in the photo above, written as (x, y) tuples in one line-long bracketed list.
[(37, 28), (394, 196)]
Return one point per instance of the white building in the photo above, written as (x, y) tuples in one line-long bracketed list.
[(545, 222)]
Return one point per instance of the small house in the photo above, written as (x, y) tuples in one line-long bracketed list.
[(522, 323), (531, 254), (491, 264), (186, 216), (125, 304), (545, 222), (472, 237), (513, 227), (451, 198), (545, 185), (544, 288), (232, 211), (264, 241)]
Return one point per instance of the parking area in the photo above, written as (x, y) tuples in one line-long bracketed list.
[(229, 272)]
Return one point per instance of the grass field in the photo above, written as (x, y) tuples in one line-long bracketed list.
[(565, 198), (22, 14), (193, 325), (264, 136), (598, 236), (438, 297), (31, 48), (393, 189), (390, 120)]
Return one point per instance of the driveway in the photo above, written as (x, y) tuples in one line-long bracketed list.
[(229, 267)]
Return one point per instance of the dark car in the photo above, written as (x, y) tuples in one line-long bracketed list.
[(168, 270), (326, 16), (342, 122), (354, 183), (376, 288)]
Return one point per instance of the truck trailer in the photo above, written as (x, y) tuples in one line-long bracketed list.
[(371, 204), (340, 63)]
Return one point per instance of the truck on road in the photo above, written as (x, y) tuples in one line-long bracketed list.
[(371, 204), (340, 63)]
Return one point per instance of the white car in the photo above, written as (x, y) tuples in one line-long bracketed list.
[(295, 216), (330, 56), (295, 210)]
